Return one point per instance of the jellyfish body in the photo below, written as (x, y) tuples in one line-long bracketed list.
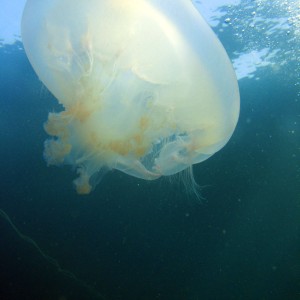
[(146, 86)]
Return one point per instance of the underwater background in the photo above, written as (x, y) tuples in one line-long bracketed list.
[(132, 239)]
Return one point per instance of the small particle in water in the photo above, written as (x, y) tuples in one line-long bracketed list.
[(274, 268)]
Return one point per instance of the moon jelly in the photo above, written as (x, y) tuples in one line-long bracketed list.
[(146, 86)]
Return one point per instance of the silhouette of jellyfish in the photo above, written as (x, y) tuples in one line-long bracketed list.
[(146, 86)]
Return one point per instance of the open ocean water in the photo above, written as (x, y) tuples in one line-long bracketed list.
[(132, 239)]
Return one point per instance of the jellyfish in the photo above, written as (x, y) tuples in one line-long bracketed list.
[(145, 85)]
